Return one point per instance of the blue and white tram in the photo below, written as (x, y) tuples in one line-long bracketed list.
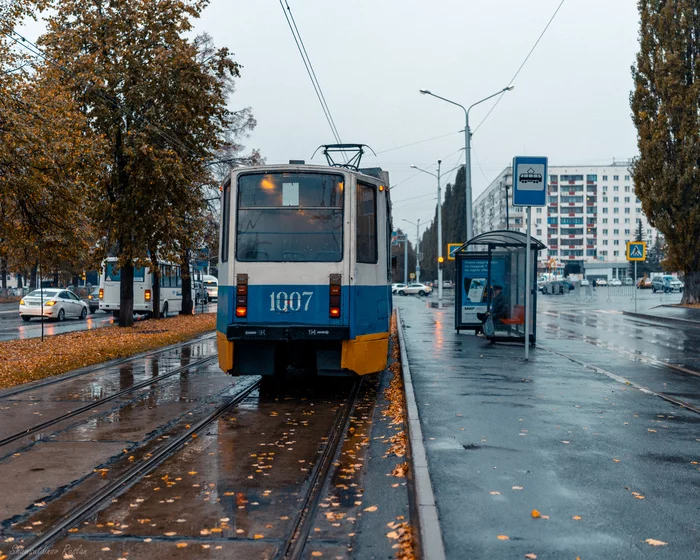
[(304, 271)]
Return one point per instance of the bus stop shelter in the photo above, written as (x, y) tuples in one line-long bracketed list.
[(491, 275)]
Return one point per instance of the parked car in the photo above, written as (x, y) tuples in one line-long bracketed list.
[(601, 282), (199, 294), (644, 283), (395, 287), (57, 304), (666, 283), (420, 289), (629, 281), (615, 282), (584, 282), (94, 300), (446, 283), (568, 285)]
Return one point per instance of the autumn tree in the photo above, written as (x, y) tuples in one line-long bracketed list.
[(49, 162), (666, 111), (158, 99)]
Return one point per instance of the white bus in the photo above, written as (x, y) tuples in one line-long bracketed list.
[(211, 284), (170, 288)]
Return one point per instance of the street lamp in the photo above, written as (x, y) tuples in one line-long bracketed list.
[(467, 152), (439, 235)]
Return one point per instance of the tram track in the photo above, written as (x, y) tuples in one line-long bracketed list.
[(295, 544), (96, 404), (126, 480), (24, 388)]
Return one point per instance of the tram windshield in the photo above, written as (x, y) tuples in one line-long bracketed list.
[(285, 217)]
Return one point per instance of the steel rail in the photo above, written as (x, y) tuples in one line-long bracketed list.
[(98, 367), (125, 481), (296, 542), (95, 404)]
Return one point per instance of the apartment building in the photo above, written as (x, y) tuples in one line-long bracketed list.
[(591, 213)]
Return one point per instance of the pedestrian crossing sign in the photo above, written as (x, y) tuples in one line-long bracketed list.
[(451, 249), (636, 251)]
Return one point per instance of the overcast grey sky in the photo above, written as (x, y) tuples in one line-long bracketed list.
[(371, 57), (570, 102)]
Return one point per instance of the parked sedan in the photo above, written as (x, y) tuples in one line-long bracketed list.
[(601, 282), (420, 289), (615, 282), (94, 300), (57, 304), (584, 283)]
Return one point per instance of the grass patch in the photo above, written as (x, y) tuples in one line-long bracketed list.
[(31, 359)]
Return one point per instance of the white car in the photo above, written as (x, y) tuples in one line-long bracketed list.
[(211, 284), (395, 287), (584, 282), (420, 289), (601, 282), (57, 304), (629, 281), (615, 282)]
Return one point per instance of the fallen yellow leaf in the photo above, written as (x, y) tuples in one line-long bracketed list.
[(258, 536), (316, 553), (371, 508), (503, 537), (181, 544), (654, 542), (392, 535), (531, 556), (577, 517), (535, 514)]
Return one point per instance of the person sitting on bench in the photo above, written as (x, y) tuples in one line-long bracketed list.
[(499, 307)]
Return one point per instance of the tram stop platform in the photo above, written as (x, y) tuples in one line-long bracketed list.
[(537, 459)]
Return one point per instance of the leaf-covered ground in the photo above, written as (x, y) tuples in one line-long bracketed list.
[(31, 359)]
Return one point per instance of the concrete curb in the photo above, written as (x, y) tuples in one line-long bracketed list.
[(686, 322), (430, 533)]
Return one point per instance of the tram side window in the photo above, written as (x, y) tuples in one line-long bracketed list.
[(366, 224), (225, 219)]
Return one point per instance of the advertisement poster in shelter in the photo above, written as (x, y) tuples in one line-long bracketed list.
[(474, 285)]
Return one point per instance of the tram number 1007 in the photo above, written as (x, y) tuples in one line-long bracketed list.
[(281, 301)]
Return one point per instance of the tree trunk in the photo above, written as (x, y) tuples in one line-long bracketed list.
[(126, 295), (3, 272), (691, 292), (187, 304)]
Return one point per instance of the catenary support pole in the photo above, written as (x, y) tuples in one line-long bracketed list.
[(439, 217), (405, 259), (528, 287), (418, 251)]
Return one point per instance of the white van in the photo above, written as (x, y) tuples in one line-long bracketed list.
[(211, 284)]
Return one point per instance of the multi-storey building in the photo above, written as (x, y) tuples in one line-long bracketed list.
[(591, 213)]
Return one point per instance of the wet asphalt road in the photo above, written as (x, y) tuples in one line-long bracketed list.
[(577, 433), (12, 327)]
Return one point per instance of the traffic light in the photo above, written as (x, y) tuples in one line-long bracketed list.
[(441, 262)]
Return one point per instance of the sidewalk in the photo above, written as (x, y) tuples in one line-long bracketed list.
[(505, 437)]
